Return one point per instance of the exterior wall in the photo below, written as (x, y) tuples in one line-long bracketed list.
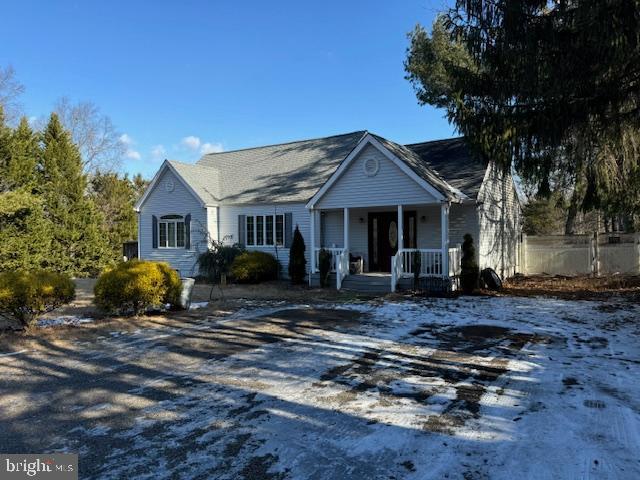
[(499, 223), (228, 227), (212, 223), (390, 186), (182, 202)]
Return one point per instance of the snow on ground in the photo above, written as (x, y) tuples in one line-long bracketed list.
[(63, 320), (471, 388)]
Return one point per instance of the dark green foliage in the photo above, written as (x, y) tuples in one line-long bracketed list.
[(217, 260), (254, 267), (468, 266), (131, 287), (25, 295), (25, 243), (544, 216), (547, 87), (297, 262), (78, 245), (416, 260), (324, 265), (115, 197)]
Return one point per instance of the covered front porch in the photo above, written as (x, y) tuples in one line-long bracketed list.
[(382, 245)]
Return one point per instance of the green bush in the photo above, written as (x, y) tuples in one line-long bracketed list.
[(254, 267), (131, 287), (324, 265), (297, 262), (468, 266), (217, 260), (25, 295)]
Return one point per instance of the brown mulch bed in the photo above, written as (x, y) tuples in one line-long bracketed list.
[(625, 287)]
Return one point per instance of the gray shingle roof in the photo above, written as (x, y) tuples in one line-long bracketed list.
[(453, 160), (295, 171), (285, 172), (421, 167), (204, 181)]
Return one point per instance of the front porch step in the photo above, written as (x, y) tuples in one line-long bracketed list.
[(364, 283)]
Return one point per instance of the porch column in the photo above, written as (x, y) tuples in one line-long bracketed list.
[(346, 228), (444, 242), (312, 226), (400, 228)]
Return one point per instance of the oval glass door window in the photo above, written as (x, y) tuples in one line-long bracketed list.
[(393, 234)]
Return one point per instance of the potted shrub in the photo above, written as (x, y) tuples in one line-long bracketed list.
[(324, 265), (468, 266)]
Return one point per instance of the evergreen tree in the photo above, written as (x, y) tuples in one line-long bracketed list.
[(25, 240), (78, 246), (548, 87), (297, 262), (115, 197), (24, 152), (5, 142)]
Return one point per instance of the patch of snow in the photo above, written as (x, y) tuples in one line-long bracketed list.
[(198, 305), (63, 320)]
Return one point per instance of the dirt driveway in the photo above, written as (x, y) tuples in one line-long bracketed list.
[(468, 388)]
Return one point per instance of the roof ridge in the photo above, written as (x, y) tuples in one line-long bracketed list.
[(435, 141), (284, 143)]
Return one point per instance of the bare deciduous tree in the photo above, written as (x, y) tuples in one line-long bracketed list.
[(10, 91), (94, 133)]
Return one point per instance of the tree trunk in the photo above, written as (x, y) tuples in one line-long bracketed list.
[(576, 198)]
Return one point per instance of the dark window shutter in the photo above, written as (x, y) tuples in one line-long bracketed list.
[(154, 231), (187, 231), (288, 229), (242, 225)]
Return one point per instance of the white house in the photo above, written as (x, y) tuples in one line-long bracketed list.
[(366, 199)]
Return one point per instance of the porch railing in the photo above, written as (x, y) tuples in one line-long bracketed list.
[(403, 263), (334, 256), (342, 268)]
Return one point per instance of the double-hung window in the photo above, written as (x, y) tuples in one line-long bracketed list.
[(171, 231), (265, 230)]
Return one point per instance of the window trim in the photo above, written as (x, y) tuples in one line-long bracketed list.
[(175, 220), (274, 235)]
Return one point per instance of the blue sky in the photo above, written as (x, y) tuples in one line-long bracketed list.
[(178, 77)]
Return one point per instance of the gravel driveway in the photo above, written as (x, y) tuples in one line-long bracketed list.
[(470, 388)]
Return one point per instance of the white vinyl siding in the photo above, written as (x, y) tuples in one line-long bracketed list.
[(499, 223), (300, 216), (389, 186), (179, 201)]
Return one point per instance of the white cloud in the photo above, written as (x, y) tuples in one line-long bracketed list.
[(126, 139), (208, 147), (191, 142), (133, 155), (158, 152)]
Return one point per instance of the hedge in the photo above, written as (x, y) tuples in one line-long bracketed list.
[(25, 295), (132, 287)]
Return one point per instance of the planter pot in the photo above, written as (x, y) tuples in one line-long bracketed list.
[(187, 292)]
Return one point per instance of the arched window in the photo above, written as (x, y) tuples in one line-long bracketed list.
[(171, 231)]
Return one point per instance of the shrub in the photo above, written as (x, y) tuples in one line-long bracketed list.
[(324, 265), (217, 261), (255, 267), (468, 266), (25, 295), (131, 287), (297, 262)]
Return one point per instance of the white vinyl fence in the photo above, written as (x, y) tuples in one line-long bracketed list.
[(601, 254)]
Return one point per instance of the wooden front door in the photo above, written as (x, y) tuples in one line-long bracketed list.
[(383, 238)]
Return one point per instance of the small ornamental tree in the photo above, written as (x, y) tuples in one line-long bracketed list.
[(297, 262), (468, 266)]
